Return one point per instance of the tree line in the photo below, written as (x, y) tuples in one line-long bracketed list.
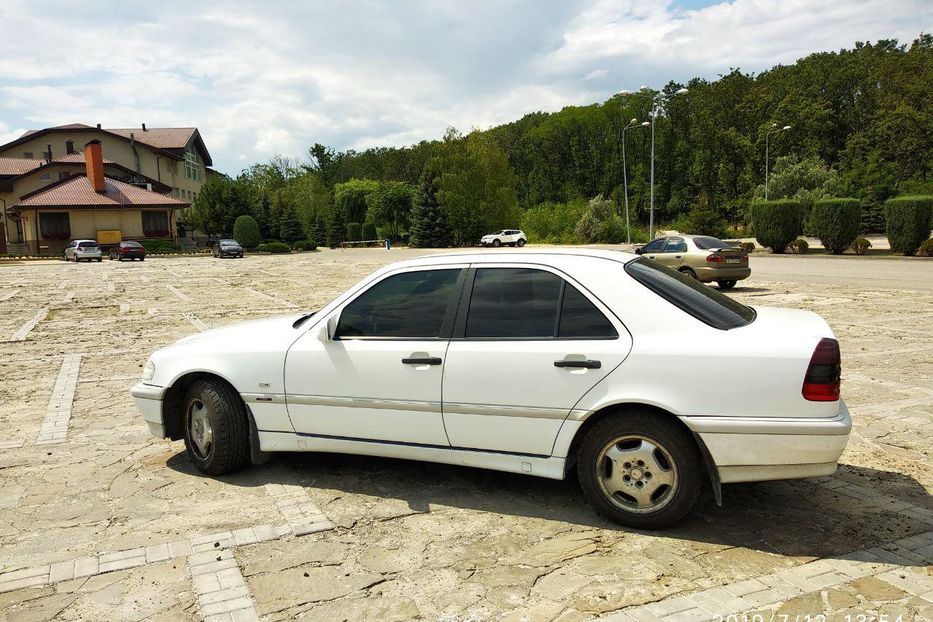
[(861, 127)]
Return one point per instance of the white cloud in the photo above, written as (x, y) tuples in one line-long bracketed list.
[(261, 78)]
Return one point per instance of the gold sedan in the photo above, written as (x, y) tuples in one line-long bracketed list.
[(701, 257)]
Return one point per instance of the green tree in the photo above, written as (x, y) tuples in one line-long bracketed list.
[(318, 231), (350, 198), (246, 231), (336, 228), (429, 227), (290, 228), (390, 206)]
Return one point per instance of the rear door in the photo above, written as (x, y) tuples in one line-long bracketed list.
[(528, 344)]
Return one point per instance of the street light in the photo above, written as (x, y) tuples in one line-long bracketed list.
[(628, 226), (658, 100), (774, 128)]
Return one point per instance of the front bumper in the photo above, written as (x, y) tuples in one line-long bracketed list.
[(148, 400), (751, 449)]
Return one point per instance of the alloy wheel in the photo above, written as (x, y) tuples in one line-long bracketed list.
[(637, 473)]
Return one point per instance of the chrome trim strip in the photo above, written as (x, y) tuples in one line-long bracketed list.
[(264, 398), (365, 402), (491, 410)]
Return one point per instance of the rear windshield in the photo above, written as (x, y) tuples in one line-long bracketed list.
[(709, 243), (87, 244), (699, 300), (132, 245)]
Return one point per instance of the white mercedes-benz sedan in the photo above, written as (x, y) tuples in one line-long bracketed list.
[(646, 382)]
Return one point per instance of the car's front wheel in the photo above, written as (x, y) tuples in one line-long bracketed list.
[(216, 429), (640, 470)]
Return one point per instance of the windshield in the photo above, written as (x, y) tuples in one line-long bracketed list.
[(699, 300), (229, 243), (709, 243)]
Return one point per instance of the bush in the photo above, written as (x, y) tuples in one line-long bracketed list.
[(799, 246), (246, 232), (612, 231), (275, 247), (305, 245), (926, 249), (776, 223), (160, 246), (748, 247), (836, 222), (860, 245), (907, 222), (700, 220), (369, 230), (553, 223), (354, 232)]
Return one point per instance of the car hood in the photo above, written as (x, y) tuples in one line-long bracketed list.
[(266, 333)]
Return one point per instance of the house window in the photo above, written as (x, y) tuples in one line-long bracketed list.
[(27, 155), (64, 175), (192, 168), (69, 146), (155, 224), (45, 177), (54, 225)]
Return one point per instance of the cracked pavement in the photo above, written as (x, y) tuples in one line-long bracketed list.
[(409, 540)]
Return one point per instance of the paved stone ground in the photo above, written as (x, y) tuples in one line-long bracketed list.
[(99, 521)]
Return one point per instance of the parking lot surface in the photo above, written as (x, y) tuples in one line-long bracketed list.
[(101, 521)]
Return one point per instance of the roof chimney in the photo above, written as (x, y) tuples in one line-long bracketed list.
[(98, 126), (94, 164), (144, 128)]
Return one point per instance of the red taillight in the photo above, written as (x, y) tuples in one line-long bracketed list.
[(714, 258), (821, 384), (744, 258)]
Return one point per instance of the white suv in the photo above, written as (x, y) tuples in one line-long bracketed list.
[(508, 237)]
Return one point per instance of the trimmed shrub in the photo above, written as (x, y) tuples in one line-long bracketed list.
[(748, 247), (369, 230), (926, 249), (907, 222), (354, 232), (860, 246), (836, 222), (305, 245), (246, 231), (776, 223), (160, 246), (799, 246), (275, 247)]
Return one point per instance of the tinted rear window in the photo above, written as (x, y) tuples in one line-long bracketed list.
[(132, 245), (709, 243), (513, 303), (87, 245), (697, 299)]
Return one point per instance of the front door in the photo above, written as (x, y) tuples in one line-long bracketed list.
[(379, 376), (529, 347), (673, 253)]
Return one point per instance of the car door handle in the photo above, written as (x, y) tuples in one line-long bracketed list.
[(678, 256), (427, 360), (587, 364)]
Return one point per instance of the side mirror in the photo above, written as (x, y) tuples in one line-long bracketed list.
[(638, 250), (328, 330)]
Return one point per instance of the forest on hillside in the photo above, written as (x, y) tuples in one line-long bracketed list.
[(861, 126)]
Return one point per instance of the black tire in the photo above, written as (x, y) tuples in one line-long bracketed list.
[(142, 259), (689, 272), (228, 449), (99, 259), (726, 284), (496, 243), (673, 502), (520, 243)]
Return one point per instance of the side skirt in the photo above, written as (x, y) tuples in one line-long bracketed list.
[(549, 467)]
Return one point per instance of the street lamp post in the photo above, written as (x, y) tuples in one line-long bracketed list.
[(658, 100), (774, 128), (628, 226)]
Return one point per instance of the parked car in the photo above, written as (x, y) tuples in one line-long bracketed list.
[(642, 379), (507, 237), (79, 250), (228, 248), (127, 250), (702, 257)]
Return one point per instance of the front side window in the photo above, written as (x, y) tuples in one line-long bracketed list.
[(690, 295), (513, 303), (406, 305), (655, 246)]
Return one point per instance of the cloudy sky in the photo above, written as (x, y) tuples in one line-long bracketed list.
[(266, 77)]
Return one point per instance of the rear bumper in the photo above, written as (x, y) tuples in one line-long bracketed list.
[(97, 255), (723, 274), (148, 400), (756, 449)]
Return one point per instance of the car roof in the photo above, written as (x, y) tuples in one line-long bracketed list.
[(558, 255)]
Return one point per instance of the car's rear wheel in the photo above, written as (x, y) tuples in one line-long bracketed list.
[(726, 284), (216, 429), (521, 243), (640, 470), (496, 243), (689, 272)]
